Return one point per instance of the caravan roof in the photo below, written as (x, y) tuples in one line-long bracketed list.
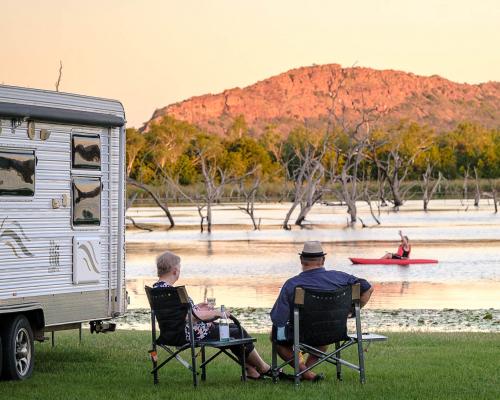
[(50, 106)]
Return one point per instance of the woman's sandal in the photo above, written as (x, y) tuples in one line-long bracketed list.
[(281, 374), (259, 378)]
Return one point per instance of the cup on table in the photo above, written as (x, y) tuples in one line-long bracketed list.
[(211, 302)]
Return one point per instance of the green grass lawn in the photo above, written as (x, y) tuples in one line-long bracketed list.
[(408, 366)]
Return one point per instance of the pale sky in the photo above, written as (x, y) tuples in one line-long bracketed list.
[(151, 53)]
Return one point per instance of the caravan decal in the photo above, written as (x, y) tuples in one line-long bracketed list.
[(91, 259), (15, 238)]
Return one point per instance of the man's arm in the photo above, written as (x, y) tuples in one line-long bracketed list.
[(365, 296), (280, 312), (365, 286)]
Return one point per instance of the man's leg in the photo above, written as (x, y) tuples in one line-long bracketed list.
[(311, 359), (286, 353)]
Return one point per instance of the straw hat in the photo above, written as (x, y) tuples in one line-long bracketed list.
[(312, 250)]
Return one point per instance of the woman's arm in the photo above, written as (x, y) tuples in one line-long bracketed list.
[(403, 239), (206, 315)]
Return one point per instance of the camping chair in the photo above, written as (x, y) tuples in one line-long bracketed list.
[(171, 307), (320, 318)]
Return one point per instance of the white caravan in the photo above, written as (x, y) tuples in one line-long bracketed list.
[(61, 218)]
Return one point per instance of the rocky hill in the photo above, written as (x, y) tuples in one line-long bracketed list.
[(320, 94)]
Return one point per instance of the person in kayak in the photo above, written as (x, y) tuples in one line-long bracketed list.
[(404, 249)]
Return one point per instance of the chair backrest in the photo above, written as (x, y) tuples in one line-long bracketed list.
[(170, 306), (323, 314)]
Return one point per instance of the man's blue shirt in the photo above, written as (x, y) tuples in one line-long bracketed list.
[(317, 278)]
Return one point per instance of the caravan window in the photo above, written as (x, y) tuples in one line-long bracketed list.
[(17, 172), (86, 151), (86, 201)]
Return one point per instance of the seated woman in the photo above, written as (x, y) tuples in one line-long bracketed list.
[(169, 268), (404, 249)]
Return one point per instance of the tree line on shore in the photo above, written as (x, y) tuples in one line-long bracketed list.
[(348, 164)]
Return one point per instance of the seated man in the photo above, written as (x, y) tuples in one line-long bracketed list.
[(313, 276)]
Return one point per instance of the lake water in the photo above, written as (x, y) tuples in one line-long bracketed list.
[(241, 267)]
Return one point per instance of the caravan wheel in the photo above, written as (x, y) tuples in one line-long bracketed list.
[(0, 356), (18, 349)]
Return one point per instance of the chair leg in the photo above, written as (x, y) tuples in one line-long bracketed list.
[(154, 354), (339, 365), (155, 374), (274, 362), (361, 356), (193, 365), (243, 363), (203, 368), (359, 337), (296, 347)]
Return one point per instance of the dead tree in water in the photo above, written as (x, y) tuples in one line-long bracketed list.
[(312, 192), (493, 195), (368, 199), (348, 177), (495, 200), (465, 185), (249, 195), (354, 119), (130, 202), (429, 185), (477, 196), (162, 204), (306, 190)]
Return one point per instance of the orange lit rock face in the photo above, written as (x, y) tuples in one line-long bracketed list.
[(306, 95)]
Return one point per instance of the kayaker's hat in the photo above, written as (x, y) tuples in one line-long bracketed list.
[(312, 250)]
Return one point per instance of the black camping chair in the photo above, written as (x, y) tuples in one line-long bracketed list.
[(320, 318), (171, 307)]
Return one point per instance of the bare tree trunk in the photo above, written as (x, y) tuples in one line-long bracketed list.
[(305, 208), (209, 216), (286, 226), (495, 200), (465, 185), (250, 202), (202, 217), (381, 188), (369, 201), (311, 193), (396, 193), (163, 206), (477, 197), (131, 200), (429, 187), (493, 195), (138, 226)]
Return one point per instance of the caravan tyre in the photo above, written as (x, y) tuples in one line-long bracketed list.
[(18, 349), (0, 357)]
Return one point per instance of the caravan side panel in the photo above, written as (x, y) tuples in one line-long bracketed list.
[(51, 249)]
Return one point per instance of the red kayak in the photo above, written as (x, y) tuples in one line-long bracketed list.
[(392, 261)]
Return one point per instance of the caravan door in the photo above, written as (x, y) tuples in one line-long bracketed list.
[(86, 206)]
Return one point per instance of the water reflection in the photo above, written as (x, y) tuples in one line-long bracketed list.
[(242, 267), (391, 295)]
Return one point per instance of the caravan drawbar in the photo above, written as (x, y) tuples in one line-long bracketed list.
[(62, 240)]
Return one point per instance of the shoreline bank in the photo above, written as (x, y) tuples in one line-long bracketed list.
[(256, 320)]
